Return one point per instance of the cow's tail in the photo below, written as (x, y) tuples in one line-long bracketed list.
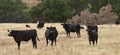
[(38, 38)]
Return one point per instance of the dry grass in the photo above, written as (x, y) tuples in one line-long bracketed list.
[(109, 42)]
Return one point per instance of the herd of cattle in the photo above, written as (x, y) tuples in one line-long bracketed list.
[(51, 33)]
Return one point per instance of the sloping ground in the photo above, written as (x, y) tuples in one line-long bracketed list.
[(31, 2), (104, 16), (108, 43)]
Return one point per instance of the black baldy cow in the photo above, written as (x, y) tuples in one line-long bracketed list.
[(24, 35), (72, 28), (92, 33), (51, 34), (40, 24)]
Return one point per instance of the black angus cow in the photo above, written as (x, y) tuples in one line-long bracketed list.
[(51, 34), (92, 33), (27, 25), (24, 35), (40, 24), (72, 28)]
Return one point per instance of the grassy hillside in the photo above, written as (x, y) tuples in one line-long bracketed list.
[(31, 2), (108, 43)]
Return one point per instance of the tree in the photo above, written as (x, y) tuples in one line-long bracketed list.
[(77, 5), (51, 10), (57, 10), (97, 4), (115, 6), (13, 11)]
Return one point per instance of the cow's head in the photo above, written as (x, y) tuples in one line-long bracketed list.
[(11, 32), (65, 25), (40, 24), (88, 25), (81, 27), (51, 29), (92, 28)]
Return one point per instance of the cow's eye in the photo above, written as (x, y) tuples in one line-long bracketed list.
[(86, 29)]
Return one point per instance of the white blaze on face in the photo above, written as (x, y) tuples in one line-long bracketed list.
[(51, 31), (37, 22), (9, 31), (93, 31)]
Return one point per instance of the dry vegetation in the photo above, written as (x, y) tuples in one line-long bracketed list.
[(31, 2), (109, 41), (105, 16)]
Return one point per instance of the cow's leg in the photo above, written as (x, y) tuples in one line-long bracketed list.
[(34, 43), (18, 43), (78, 34), (67, 34), (55, 42), (89, 42), (96, 39), (93, 42), (46, 41), (51, 42)]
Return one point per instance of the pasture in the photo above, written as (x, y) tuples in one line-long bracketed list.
[(108, 41)]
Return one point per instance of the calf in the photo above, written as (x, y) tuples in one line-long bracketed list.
[(92, 33), (51, 34), (72, 28), (24, 35)]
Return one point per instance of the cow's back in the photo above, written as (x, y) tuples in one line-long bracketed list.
[(74, 27), (24, 35)]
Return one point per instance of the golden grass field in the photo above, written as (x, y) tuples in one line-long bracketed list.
[(108, 43)]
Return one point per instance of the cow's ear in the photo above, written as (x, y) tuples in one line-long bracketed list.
[(8, 30), (61, 24), (47, 27), (54, 27)]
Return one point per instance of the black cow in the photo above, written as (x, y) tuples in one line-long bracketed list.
[(117, 21), (24, 35), (51, 34), (72, 28), (27, 25), (92, 33), (40, 24)]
